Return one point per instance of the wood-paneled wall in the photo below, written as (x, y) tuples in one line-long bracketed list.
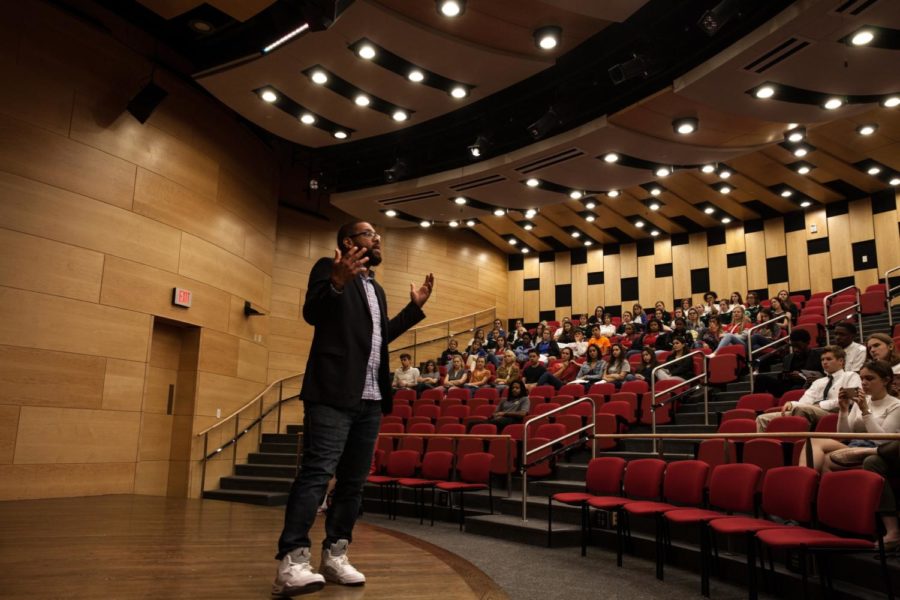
[(100, 217), (827, 248)]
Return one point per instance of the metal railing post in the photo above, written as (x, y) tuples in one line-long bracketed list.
[(859, 316), (280, 398), (237, 421), (775, 342), (260, 427), (203, 464), (509, 466), (856, 306), (524, 469), (889, 295), (653, 393)]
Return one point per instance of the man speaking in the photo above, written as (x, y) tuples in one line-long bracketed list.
[(346, 388)]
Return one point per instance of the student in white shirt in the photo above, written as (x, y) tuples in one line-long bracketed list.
[(821, 398), (406, 376), (855, 354)]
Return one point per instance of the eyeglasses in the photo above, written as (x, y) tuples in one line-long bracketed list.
[(368, 234)]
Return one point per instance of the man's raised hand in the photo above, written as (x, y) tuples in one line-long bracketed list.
[(347, 266), (420, 296)]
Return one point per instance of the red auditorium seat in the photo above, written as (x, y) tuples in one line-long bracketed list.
[(546, 391), (516, 431), (474, 403), (737, 413), (635, 387), (458, 392), (576, 390), (550, 431), (539, 467), (448, 402), (474, 473), (400, 463), (488, 393), (872, 303), (571, 423), (423, 402), (603, 478), (414, 420), (828, 423), (812, 318), (813, 330), (483, 429), (633, 401), (460, 411), (402, 411), (787, 493), (437, 466), (505, 456), (445, 444), (433, 394), (391, 419), (405, 394), (723, 369), (562, 399), (390, 427), (623, 411), (582, 409), (542, 408), (607, 389), (427, 410), (756, 402), (855, 488), (441, 421), (770, 453), (789, 396), (877, 287), (606, 423), (416, 443), (481, 413), (732, 489)]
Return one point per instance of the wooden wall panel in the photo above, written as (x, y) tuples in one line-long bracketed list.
[(734, 239), (820, 272), (580, 289), (70, 435), (218, 353), (861, 226), (774, 237), (648, 285), (44, 378), (798, 260), (718, 270), (9, 425), (123, 384), (547, 294), (756, 260), (628, 266), (840, 249), (205, 262), (35, 99), (887, 240), (515, 283), (816, 219), (681, 271)]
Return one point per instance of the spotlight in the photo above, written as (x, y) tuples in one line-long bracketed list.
[(833, 103), (639, 224), (796, 135), (471, 223), (637, 66), (425, 224), (655, 191), (479, 147), (590, 218), (319, 77), (459, 91), (611, 157), (590, 205), (709, 210), (416, 76), (398, 171), (451, 8), (654, 206), (867, 129), (803, 169), (862, 37), (891, 101), (361, 100), (340, 134), (801, 151), (873, 170), (726, 220), (527, 226), (268, 96), (724, 172), (715, 18), (655, 232), (588, 243), (512, 241), (575, 195), (532, 182), (576, 234), (708, 168), (460, 200), (525, 250), (764, 92), (390, 213), (499, 212), (547, 38), (307, 118), (151, 95), (366, 51), (805, 204), (475, 151), (453, 224), (895, 180), (792, 126), (613, 193), (400, 115), (787, 193), (724, 189), (686, 125), (547, 123), (530, 213), (662, 171)]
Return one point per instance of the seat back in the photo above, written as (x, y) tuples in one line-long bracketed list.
[(405, 394), (516, 431), (635, 387), (812, 329), (551, 431), (790, 396), (543, 408), (460, 411), (738, 426), (723, 368), (441, 421), (716, 452), (872, 303), (483, 429), (788, 493), (488, 393), (738, 413), (576, 390), (607, 389), (402, 463), (644, 477), (633, 401), (685, 482), (437, 465), (391, 428), (485, 410), (604, 476), (475, 467), (420, 428), (452, 429), (756, 402), (427, 410), (413, 420), (391, 419), (732, 487), (433, 394), (505, 455), (848, 500), (582, 409), (828, 423), (621, 409), (547, 391), (458, 392), (605, 423), (786, 425), (402, 411)]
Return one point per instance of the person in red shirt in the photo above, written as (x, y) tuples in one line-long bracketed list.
[(566, 371)]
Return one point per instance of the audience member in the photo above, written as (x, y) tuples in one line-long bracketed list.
[(648, 340), (752, 307), (429, 377), (886, 462), (618, 369), (583, 325), (451, 351), (475, 351), (579, 346), (597, 317), (407, 376), (566, 334), (511, 409), (626, 320), (881, 347), (480, 376), (593, 368), (547, 346), (457, 374), (631, 340), (665, 317), (607, 328), (683, 368), (599, 339), (712, 334), (508, 371), (789, 305), (800, 367), (648, 363), (533, 369), (497, 330), (843, 334), (564, 372), (736, 333), (709, 302), (522, 347), (638, 315), (479, 337)]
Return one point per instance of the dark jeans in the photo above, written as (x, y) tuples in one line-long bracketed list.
[(887, 464), (337, 442), (549, 379)]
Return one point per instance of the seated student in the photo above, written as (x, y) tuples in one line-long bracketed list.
[(712, 334), (648, 340), (752, 307), (474, 352), (778, 309), (523, 346), (789, 305), (507, 371), (638, 316), (480, 376), (495, 355), (497, 330), (725, 316), (666, 317), (659, 316), (648, 363), (843, 335), (407, 376), (566, 334), (516, 334), (880, 346), (562, 328), (451, 351), (626, 320), (683, 368), (631, 340), (693, 324), (867, 410), (584, 326), (579, 346), (511, 409), (821, 398), (491, 343), (533, 369), (799, 367), (618, 369), (886, 462), (429, 377), (607, 328), (597, 317), (547, 346), (564, 372), (679, 330), (736, 300), (479, 337), (599, 339), (457, 374), (736, 333), (593, 368), (709, 302)]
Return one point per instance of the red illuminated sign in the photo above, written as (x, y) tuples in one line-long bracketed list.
[(182, 297)]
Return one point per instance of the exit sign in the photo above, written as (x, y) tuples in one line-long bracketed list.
[(182, 297)]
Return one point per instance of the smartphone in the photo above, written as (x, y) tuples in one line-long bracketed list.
[(849, 393)]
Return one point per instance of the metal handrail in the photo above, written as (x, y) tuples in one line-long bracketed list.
[(526, 452), (487, 312), (779, 340), (654, 395), (857, 308), (889, 294)]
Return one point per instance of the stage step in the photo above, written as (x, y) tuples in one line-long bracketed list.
[(271, 458), (248, 497), (259, 484), (280, 438), (265, 470), (533, 531)]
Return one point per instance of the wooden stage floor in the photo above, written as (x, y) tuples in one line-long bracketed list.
[(151, 547)]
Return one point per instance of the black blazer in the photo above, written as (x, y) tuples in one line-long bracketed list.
[(342, 341)]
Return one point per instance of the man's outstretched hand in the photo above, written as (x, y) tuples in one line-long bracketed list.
[(420, 296), (347, 266)]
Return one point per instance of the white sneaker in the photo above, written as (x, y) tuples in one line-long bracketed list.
[(295, 575), (337, 568)]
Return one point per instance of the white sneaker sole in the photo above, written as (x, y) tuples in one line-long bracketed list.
[(336, 579), (287, 591)]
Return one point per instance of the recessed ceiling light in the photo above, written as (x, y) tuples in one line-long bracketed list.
[(530, 213), (576, 234), (575, 195), (269, 96), (793, 126), (639, 224), (527, 226), (801, 152), (655, 192), (475, 151), (361, 100), (726, 220), (654, 206), (588, 243), (787, 193), (590, 205), (894, 180), (724, 173), (459, 92), (390, 213), (891, 101), (525, 250), (874, 170), (201, 26), (708, 168), (724, 189), (613, 193), (833, 103), (796, 134), (340, 134), (416, 76), (766, 91), (590, 218), (709, 210), (867, 129), (307, 118), (805, 204), (611, 157), (547, 38), (319, 77), (685, 126), (663, 171), (862, 37), (453, 224), (366, 51), (499, 212), (460, 200), (425, 224), (532, 182), (655, 232), (451, 8), (803, 169), (400, 115), (470, 223), (512, 241)]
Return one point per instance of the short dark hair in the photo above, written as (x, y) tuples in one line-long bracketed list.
[(837, 351), (406, 356), (850, 327), (800, 335), (882, 368), (346, 230)]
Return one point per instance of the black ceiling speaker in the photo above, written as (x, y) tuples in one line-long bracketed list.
[(545, 124), (715, 18), (321, 14), (397, 172), (637, 66), (146, 101)]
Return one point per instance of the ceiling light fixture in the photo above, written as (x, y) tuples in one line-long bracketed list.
[(525, 250), (726, 220), (528, 226), (400, 115), (655, 232), (611, 157), (787, 193), (576, 234), (590, 218), (724, 189), (366, 51), (613, 193), (862, 37), (532, 182), (867, 129), (686, 125), (425, 224), (390, 213), (891, 102), (575, 195), (588, 243), (801, 151), (471, 223), (764, 92), (873, 170), (805, 204), (361, 100), (655, 191), (451, 8), (499, 212), (833, 103), (796, 135), (319, 77), (709, 210), (547, 38), (530, 213), (708, 168), (639, 224), (803, 168), (307, 118), (724, 172), (416, 76), (662, 171), (460, 200), (512, 241), (285, 38), (459, 91), (895, 180), (268, 96), (340, 134), (453, 224), (654, 206), (590, 205)]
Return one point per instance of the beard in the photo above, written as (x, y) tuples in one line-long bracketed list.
[(374, 259)]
